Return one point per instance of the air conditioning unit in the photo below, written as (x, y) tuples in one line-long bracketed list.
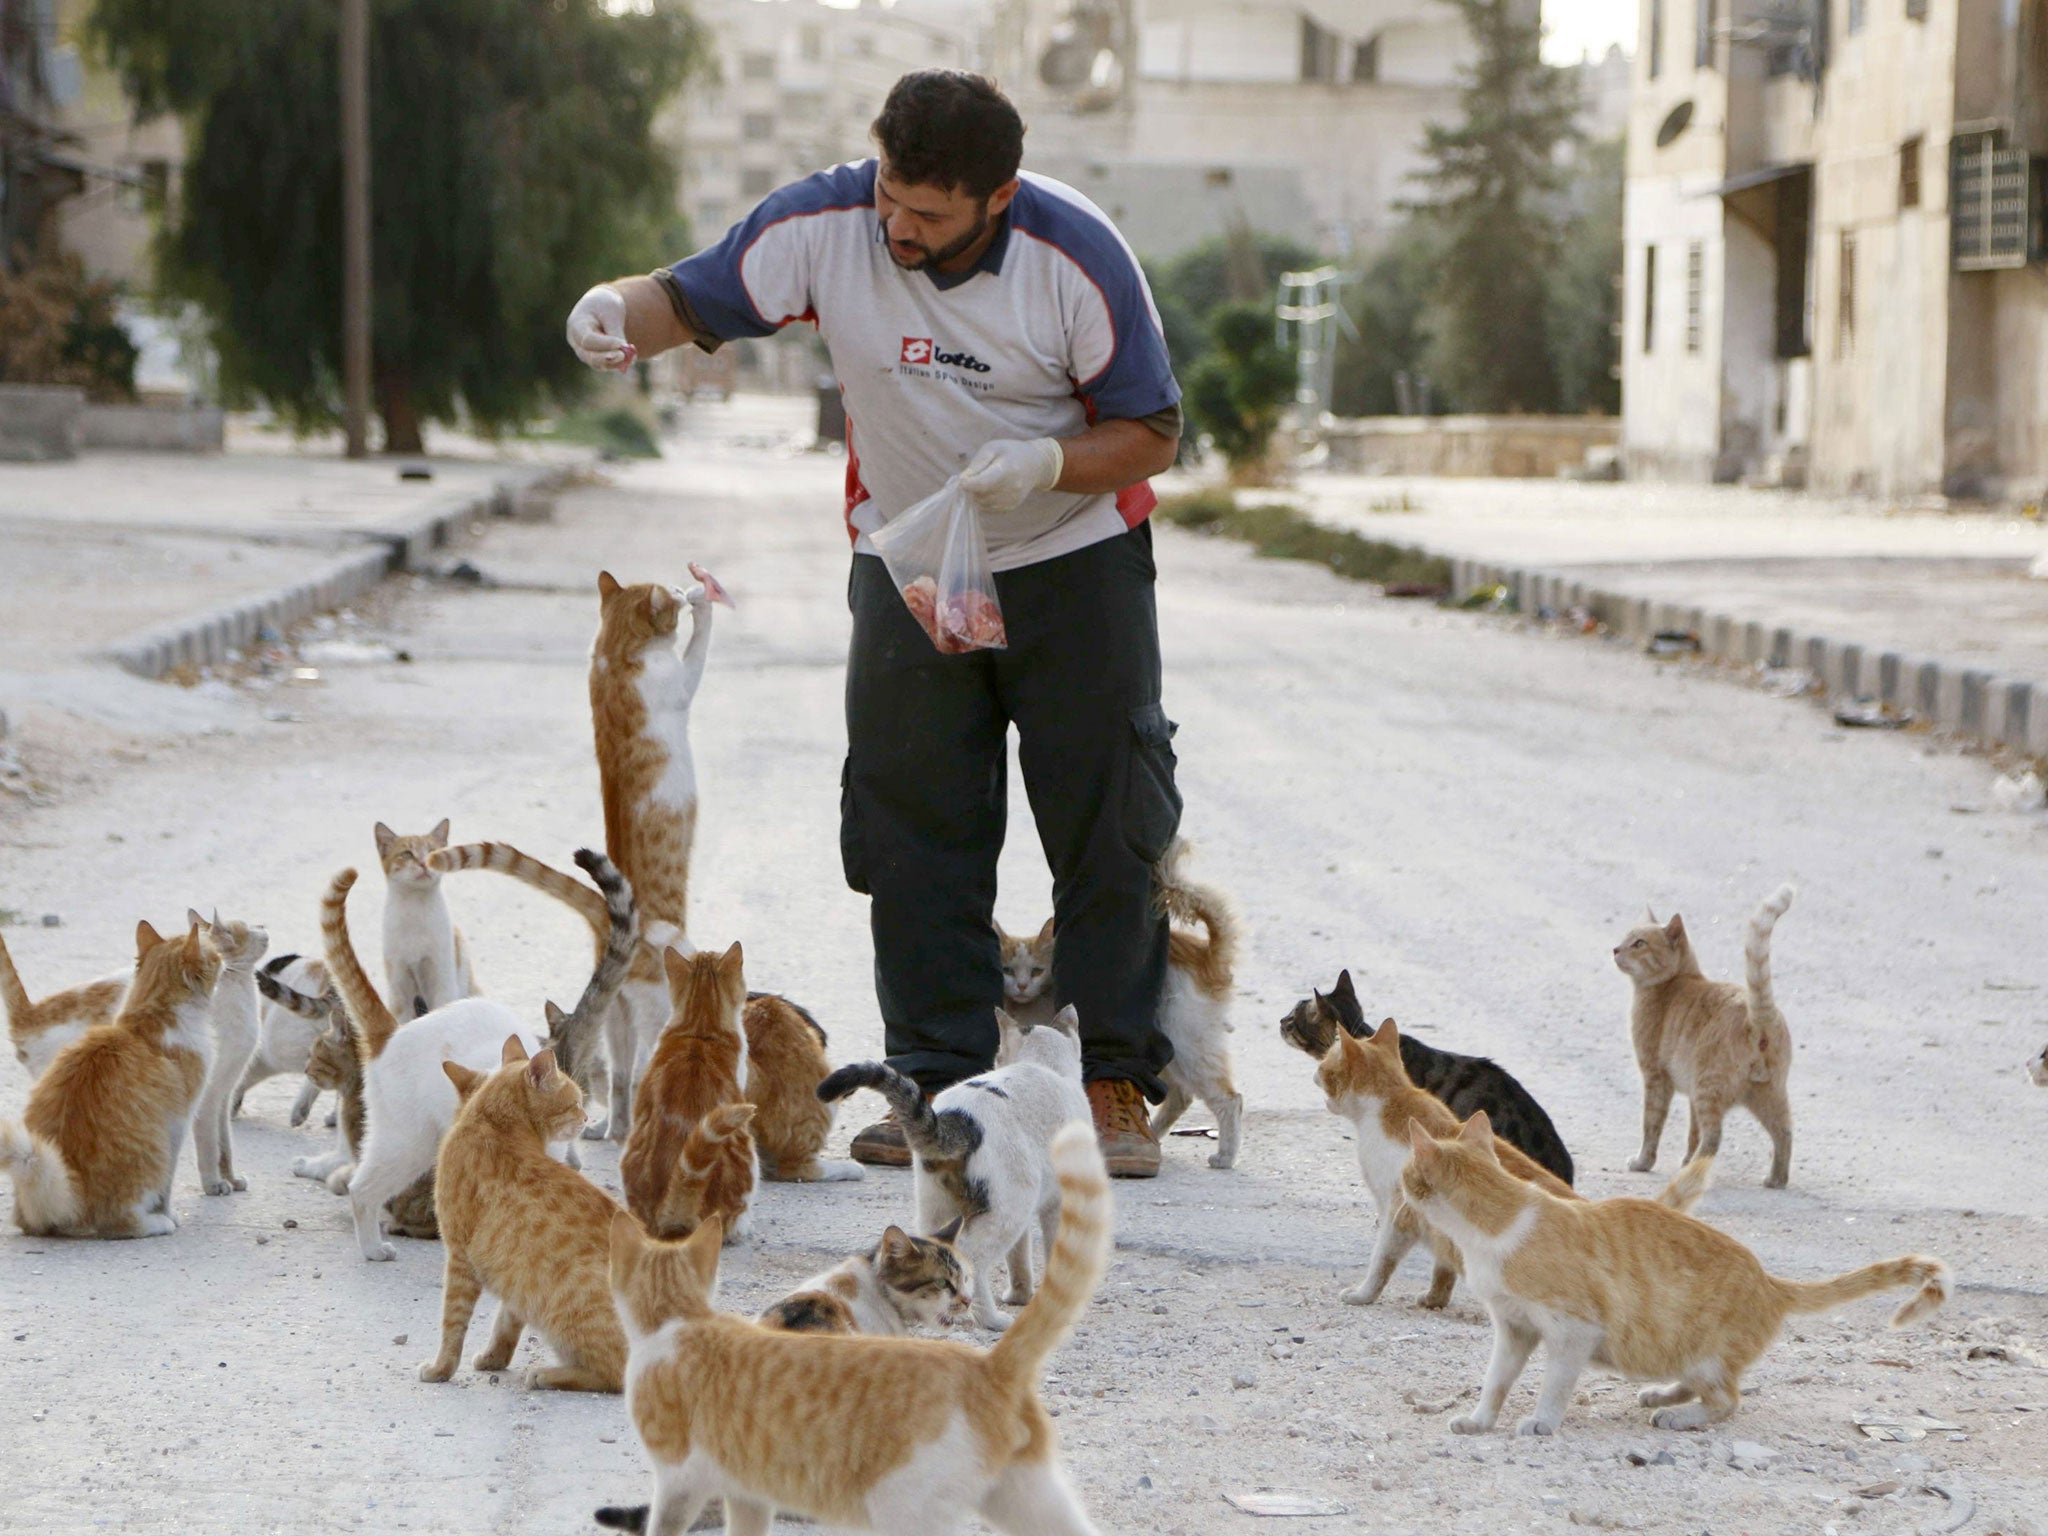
[(1998, 204)]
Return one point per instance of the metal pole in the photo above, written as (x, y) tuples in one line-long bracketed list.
[(355, 222)]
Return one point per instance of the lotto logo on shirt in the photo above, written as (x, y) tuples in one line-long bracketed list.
[(917, 349)]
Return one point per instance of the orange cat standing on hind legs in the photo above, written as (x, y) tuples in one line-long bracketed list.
[(95, 1153), (1629, 1284)]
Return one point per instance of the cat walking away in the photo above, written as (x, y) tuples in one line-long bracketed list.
[(1467, 1084), (95, 1152), (903, 1283), (899, 1435), (1628, 1284), (1722, 1046), (981, 1151), (518, 1224), (235, 1031), (40, 1030)]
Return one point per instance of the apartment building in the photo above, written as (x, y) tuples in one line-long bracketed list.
[(1836, 272)]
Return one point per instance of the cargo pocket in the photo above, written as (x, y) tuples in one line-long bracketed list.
[(853, 852), (1151, 802)]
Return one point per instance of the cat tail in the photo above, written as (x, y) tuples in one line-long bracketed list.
[(1079, 1255), (929, 1134), (1689, 1185), (44, 1195), (1929, 1276), (12, 992), (527, 870), (573, 1035), (1186, 902), (292, 1000), (373, 1021), (1756, 955)]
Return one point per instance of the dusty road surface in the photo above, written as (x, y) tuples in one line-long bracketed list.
[(1465, 815)]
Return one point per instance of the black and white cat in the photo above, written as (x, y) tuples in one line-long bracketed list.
[(982, 1149)]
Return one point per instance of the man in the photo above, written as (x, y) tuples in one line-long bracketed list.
[(996, 327)]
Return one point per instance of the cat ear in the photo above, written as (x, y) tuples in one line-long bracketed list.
[(1344, 988), (1045, 933), (1675, 929), (733, 962), (700, 1250), (1419, 1140), (659, 600), (627, 1242), (385, 838), (554, 1017), (541, 1068), (216, 918), (1655, 920), (1387, 1037), (439, 836), (607, 584), (514, 1051), (895, 1240), (677, 968), (146, 938), (1478, 1132), (465, 1081), (1068, 1021), (950, 1230)]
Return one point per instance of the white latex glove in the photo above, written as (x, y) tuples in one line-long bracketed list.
[(1004, 472), (597, 330)]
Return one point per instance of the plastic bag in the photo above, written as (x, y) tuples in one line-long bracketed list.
[(939, 561)]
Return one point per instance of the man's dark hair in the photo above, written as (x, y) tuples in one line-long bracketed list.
[(948, 128)]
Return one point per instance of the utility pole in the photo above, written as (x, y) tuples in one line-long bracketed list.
[(355, 222)]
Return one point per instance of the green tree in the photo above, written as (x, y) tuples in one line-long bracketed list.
[(1239, 267), (512, 165), (1389, 305), (1239, 388), (1585, 292), (1494, 182)]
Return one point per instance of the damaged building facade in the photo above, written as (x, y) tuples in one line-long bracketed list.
[(1836, 271)]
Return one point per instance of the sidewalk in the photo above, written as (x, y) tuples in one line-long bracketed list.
[(161, 560), (1931, 611)]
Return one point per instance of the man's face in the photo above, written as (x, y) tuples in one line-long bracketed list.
[(929, 226)]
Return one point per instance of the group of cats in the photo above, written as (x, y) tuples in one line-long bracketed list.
[(455, 1117)]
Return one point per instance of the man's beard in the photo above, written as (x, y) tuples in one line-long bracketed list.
[(930, 258)]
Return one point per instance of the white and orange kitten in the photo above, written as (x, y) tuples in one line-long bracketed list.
[(425, 958), (233, 1020)]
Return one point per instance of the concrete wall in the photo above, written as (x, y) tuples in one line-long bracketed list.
[(1492, 447)]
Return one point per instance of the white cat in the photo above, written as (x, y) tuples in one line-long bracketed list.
[(424, 956), (233, 1020), (284, 1039), (1194, 1006), (982, 1149)]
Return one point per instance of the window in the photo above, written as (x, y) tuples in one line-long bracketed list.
[(1695, 295), (1856, 15), (1703, 35), (1909, 173), (1916, 10), (1320, 50), (1649, 297), (756, 126), (756, 181), (757, 66), (1795, 217), (1845, 297), (1365, 62), (1656, 48)]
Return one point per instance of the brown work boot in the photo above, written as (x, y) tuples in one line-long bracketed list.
[(1129, 1148), (882, 1145)]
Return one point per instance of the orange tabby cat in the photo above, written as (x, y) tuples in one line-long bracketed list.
[(96, 1150), (1721, 1045), (896, 1435), (523, 1227), (714, 1180), (699, 1064), (41, 1030), (1628, 1284)]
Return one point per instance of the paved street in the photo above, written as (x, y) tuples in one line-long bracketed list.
[(1465, 814)]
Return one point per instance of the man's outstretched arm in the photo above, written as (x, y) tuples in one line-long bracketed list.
[(629, 318)]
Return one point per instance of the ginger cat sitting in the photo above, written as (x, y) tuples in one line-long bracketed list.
[(1628, 1284), (96, 1150), (1720, 1045), (520, 1225)]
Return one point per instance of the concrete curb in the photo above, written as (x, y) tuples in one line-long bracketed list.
[(1966, 701), (205, 639)]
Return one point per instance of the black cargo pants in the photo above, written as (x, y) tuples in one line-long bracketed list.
[(924, 805)]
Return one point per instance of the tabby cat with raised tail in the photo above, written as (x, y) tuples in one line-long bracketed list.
[(1467, 1084), (641, 689), (40, 1030), (1632, 1285), (1724, 1047), (96, 1150), (872, 1434)]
